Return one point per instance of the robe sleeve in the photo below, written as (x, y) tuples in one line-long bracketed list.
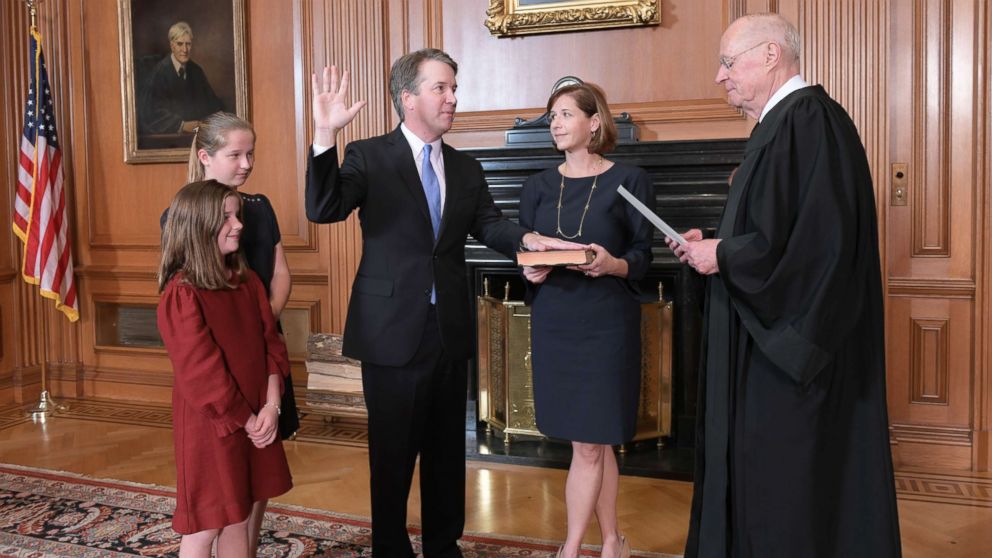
[(805, 240), (276, 354), (201, 377)]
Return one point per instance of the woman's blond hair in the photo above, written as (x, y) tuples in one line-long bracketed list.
[(189, 239), (211, 136), (591, 100)]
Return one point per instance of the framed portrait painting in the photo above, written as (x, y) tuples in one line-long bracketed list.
[(508, 18), (181, 60)]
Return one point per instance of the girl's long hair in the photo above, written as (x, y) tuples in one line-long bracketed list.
[(189, 239)]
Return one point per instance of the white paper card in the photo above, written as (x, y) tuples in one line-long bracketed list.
[(651, 216)]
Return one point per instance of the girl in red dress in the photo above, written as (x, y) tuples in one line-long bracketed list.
[(229, 366)]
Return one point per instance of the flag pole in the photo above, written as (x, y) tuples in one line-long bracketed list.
[(46, 405), (33, 10)]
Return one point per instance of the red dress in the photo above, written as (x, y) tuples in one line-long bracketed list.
[(223, 346)]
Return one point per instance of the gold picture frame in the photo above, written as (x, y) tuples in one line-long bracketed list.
[(163, 97), (509, 18)]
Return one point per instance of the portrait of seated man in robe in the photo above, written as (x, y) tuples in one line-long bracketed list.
[(175, 94)]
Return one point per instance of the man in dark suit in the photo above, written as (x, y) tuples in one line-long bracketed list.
[(408, 318)]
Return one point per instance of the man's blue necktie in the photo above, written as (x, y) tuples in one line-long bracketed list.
[(432, 189)]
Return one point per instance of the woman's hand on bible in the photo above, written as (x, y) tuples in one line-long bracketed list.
[(537, 274)]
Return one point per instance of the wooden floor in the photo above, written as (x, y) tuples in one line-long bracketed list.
[(941, 516)]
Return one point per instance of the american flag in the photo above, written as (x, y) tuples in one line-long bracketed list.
[(39, 204)]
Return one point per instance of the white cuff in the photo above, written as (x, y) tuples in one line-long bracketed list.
[(319, 150)]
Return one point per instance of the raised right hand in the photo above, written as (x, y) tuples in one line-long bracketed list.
[(330, 112)]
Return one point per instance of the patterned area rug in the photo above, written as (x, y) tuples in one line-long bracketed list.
[(45, 514)]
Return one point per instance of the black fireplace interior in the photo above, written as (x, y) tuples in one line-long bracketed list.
[(690, 182)]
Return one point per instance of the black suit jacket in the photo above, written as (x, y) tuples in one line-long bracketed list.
[(391, 293)]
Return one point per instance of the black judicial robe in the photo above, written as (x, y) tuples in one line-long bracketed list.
[(170, 100), (793, 455)]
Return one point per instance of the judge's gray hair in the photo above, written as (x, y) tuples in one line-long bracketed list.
[(179, 29), (405, 73), (774, 28)]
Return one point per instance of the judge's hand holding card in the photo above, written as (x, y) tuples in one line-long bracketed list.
[(698, 252)]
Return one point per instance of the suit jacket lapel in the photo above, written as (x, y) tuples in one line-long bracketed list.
[(402, 157), (451, 186)]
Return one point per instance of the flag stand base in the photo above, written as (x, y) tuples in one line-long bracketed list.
[(45, 408)]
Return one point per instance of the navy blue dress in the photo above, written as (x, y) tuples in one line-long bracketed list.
[(585, 332)]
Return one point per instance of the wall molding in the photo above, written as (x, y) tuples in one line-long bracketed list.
[(128, 376), (118, 272), (658, 112), (319, 278), (929, 374), (434, 24), (931, 288), (931, 434), (306, 241), (149, 274), (130, 351), (981, 395), (931, 179)]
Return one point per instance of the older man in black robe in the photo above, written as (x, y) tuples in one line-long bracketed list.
[(793, 455)]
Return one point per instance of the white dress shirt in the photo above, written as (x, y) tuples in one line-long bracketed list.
[(437, 158), (417, 148), (176, 65)]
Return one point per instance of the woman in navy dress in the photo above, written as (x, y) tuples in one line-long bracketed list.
[(585, 320)]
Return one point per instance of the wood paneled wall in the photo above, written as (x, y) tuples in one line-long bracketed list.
[(939, 380), (32, 332), (913, 74)]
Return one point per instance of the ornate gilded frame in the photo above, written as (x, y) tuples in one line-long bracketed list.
[(135, 148), (508, 18)]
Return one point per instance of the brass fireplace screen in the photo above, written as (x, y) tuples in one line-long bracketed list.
[(506, 396)]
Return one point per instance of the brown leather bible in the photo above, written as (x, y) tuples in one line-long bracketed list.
[(555, 257)]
